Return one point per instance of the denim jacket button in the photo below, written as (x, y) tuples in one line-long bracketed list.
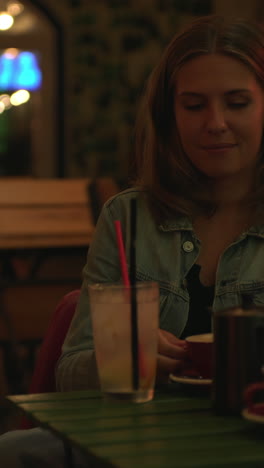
[(188, 246)]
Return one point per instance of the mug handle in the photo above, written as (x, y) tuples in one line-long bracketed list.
[(250, 393)]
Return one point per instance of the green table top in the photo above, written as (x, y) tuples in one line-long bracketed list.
[(173, 430)]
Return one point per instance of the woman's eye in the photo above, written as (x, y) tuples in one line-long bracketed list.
[(238, 104), (193, 106), (200, 105)]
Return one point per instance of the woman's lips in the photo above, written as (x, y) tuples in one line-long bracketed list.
[(219, 148)]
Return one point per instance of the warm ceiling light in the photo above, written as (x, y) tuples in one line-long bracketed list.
[(15, 8), (6, 21)]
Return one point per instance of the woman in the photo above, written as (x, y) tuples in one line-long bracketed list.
[(200, 193), (200, 201)]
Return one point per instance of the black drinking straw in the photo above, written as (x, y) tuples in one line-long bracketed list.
[(134, 321)]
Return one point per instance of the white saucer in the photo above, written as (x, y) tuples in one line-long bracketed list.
[(252, 416), (184, 379)]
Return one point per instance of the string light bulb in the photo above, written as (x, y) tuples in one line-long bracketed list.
[(6, 21)]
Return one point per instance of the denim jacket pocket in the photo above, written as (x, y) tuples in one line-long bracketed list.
[(243, 294), (174, 308), (252, 293), (174, 304)]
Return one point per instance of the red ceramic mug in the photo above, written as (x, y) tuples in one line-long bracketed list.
[(200, 350), (250, 394)]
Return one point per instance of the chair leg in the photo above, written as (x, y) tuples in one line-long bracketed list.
[(13, 368), (68, 456), (12, 363)]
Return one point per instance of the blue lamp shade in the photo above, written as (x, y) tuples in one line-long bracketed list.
[(20, 72)]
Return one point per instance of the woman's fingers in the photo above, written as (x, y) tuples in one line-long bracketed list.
[(167, 365), (170, 346), (172, 351), (171, 355), (169, 336)]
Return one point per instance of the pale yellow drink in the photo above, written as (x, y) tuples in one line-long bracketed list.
[(111, 319)]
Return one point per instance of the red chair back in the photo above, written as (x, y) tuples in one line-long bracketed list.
[(43, 379)]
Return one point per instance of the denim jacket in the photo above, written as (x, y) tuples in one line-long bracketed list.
[(164, 253)]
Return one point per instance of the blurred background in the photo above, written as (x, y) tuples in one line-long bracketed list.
[(71, 75), (83, 65)]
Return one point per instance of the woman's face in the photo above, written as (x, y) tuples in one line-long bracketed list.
[(219, 111)]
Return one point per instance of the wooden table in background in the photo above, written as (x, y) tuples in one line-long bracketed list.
[(45, 231), (173, 430)]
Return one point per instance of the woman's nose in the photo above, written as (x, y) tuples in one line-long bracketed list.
[(215, 120)]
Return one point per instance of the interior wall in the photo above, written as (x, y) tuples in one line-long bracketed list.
[(110, 48), (244, 8)]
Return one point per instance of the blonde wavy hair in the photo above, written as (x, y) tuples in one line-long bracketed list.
[(173, 184)]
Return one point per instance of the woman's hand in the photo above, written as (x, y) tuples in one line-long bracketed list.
[(171, 354)]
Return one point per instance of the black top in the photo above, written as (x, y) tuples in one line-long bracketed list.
[(201, 299)]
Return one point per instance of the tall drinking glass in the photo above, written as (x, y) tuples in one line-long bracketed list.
[(111, 320)]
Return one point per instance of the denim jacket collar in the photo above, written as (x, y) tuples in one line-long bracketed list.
[(184, 224), (256, 231)]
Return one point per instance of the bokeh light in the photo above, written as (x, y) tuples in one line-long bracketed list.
[(19, 97), (6, 21), (11, 52), (15, 8), (5, 100)]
